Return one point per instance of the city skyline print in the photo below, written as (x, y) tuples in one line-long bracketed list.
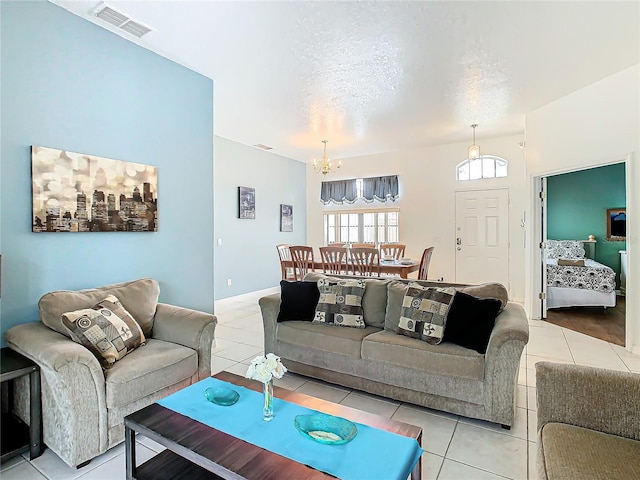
[(75, 192)]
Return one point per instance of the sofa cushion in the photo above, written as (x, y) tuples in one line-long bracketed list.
[(340, 341), (374, 300), (147, 370), (424, 312), (488, 290), (470, 321), (575, 452), (139, 298), (340, 302), (445, 359), (106, 329), (298, 300)]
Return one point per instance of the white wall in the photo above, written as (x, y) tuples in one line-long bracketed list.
[(427, 199), (248, 254), (595, 125)]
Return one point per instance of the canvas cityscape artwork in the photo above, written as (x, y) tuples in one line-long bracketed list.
[(75, 192)]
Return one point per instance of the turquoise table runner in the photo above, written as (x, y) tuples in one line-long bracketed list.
[(373, 454)]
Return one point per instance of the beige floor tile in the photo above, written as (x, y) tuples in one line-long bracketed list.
[(436, 431), (115, 469), (237, 368), (22, 471), (531, 398), (533, 469), (219, 364), (532, 425), (239, 352), (12, 462), (431, 465), (490, 451), (522, 376), (371, 404), (291, 381), (452, 470), (518, 429), (323, 391), (52, 466), (521, 396), (531, 377), (147, 442), (533, 359)]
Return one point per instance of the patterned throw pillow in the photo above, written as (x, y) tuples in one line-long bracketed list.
[(565, 249), (340, 302), (424, 312), (107, 329)]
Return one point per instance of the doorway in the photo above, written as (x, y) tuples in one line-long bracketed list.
[(574, 207), (482, 236)]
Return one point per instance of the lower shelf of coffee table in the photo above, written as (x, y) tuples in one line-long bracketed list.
[(171, 466)]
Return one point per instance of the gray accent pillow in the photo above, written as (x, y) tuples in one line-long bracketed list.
[(139, 297), (374, 300), (395, 297), (106, 329), (424, 312), (340, 303)]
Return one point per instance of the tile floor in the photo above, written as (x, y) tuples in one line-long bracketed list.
[(455, 447)]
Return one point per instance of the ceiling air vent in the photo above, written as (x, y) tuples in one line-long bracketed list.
[(120, 20), (263, 147)]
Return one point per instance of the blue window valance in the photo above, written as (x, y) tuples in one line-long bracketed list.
[(381, 189), (340, 192)]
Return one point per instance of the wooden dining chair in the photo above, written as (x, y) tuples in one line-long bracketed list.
[(396, 250), (366, 261), (424, 263), (286, 264), (363, 245), (302, 257), (337, 244), (334, 259)]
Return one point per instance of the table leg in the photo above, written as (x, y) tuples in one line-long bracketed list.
[(130, 451), (35, 427), (416, 473)]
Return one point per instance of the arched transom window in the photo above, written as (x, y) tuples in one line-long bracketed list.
[(485, 166)]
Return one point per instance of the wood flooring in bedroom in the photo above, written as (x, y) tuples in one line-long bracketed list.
[(608, 325)]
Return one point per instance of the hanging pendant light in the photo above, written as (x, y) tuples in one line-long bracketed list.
[(325, 165), (474, 150)]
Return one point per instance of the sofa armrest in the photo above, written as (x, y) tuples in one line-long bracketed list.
[(604, 400), (74, 411), (502, 360), (270, 306), (189, 328)]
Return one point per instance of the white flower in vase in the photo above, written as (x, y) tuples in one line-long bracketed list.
[(266, 368)]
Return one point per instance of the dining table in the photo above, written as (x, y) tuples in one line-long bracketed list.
[(394, 267)]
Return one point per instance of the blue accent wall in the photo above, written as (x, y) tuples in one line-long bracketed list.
[(71, 85), (248, 254), (577, 207)]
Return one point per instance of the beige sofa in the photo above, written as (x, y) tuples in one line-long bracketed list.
[(588, 423), (445, 377), (83, 406)]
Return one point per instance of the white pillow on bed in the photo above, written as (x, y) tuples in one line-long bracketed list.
[(565, 249)]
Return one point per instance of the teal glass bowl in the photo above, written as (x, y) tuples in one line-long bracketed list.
[(221, 396), (326, 429)]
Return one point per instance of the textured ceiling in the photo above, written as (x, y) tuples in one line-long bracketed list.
[(382, 76)]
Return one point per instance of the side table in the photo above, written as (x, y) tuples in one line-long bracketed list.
[(16, 436)]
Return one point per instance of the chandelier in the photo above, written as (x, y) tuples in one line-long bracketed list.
[(325, 165), (474, 150)]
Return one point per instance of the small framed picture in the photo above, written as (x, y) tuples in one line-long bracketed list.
[(246, 202), (616, 224), (286, 218)]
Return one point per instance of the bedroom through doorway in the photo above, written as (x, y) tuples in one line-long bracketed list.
[(584, 260)]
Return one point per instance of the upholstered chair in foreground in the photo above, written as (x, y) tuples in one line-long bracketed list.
[(588, 423), (83, 402)]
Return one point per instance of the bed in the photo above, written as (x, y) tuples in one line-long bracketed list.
[(568, 285)]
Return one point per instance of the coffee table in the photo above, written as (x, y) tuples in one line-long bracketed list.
[(193, 450)]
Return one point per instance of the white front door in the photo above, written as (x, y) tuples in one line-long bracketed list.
[(482, 236)]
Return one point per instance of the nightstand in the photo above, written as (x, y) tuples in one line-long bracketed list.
[(16, 436)]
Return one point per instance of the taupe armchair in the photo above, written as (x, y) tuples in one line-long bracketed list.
[(83, 406)]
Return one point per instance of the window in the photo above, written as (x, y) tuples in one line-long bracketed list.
[(485, 166), (363, 226)]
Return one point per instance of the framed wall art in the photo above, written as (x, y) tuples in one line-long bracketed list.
[(246, 202), (616, 224), (77, 192), (286, 218)]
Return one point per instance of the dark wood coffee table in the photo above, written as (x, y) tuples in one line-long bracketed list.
[(197, 451)]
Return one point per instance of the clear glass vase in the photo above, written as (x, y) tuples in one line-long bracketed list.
[(267, 408)]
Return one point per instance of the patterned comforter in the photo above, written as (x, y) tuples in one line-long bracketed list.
[(593, 276)]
